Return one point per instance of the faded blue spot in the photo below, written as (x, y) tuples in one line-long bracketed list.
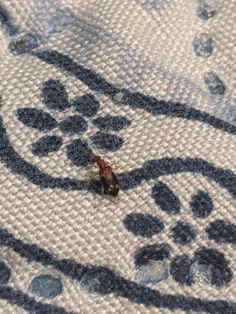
[(79, 153), (183, 233), (46, 286), (46, 145), (23, 43), (150, 253), (143, 225), (214, 83), (36, 119), (152, 273), (201, 204), (111, 123), (74, 125), (165, 198), (54, 95), (215, 266), (5, 273), (203, 45), (87, 105), (205, 11), (222, 231), (107, 141)]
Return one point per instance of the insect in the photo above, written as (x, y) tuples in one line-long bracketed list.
[(109, 181)]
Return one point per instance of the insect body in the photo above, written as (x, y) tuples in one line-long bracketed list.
[(110, 183)]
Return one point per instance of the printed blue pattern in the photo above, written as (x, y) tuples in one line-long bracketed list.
[(207, 264)]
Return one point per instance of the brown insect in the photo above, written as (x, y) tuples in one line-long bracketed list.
[(109, 181)]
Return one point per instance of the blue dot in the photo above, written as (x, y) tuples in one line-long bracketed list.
[(46, 286), (222, 231), (5, 273), (46, 145), (79, 153), (203, 45), (215, 85), (205, 11), (23, 43), (107, 141), (99, 280), (54, 95), (112, 123), (87, 105), (165, 198), (36, 119), (74, 125), (201, 204), (183, 233), (180, 270), (152, 252), (143, 225)]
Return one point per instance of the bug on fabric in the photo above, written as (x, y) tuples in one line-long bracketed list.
[(109, 181)]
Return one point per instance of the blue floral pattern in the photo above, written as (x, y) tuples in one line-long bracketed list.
[(208, 265), (79, 153)]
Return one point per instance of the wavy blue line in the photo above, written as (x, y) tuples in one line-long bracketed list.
[(135, 100), (151, 170), (102, 281)]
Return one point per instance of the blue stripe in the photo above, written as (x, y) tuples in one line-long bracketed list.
[(134, 100), (151, 170)]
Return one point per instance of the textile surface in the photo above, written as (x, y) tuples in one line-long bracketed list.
[(149, 85)]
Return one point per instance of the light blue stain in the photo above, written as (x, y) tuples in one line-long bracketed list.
[(23, 43), (215, 85), (203, 45), (205, 11), (46, 286)]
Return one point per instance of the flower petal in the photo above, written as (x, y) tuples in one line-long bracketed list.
[(111, 123), (74, 124), (79, 153), (143, 225), (36, 119), (165, 198), (222, 231), (107, 141), (46, 145), (54, 95), (153, 252), (87, 105)]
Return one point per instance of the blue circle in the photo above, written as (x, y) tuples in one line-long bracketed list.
[(203, 45), (46, 286), (183, 233)]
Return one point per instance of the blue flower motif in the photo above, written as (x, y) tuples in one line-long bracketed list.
[(79, 153), (208, 265)]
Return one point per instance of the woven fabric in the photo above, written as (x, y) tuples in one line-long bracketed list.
[(150, 85)]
